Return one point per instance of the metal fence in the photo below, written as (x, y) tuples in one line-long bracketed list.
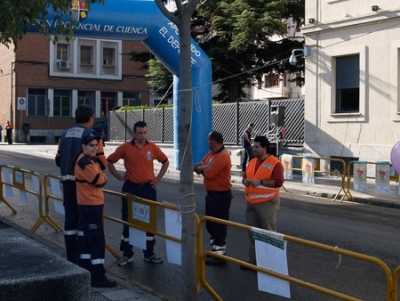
[(230, 119)]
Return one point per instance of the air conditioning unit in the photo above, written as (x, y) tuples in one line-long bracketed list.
[(63, 64)]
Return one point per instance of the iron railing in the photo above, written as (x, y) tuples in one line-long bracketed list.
[(230, 119)]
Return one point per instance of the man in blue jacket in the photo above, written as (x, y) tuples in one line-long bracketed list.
[(69, 147)]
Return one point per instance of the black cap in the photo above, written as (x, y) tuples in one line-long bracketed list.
[(89, 137)]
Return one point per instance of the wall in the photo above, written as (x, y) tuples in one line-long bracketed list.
[(343, 28), (32, 71)]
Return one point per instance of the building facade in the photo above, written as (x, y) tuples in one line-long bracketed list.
[(280, 86), (43, 82), (352, 99)]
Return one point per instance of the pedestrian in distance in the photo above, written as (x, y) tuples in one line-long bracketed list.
[(9, 128), (216, 170), (246, 144), (69, 145), (262, 179), (90, 179), (139, 180)]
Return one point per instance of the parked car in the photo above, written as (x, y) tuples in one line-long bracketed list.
[(101, 128)]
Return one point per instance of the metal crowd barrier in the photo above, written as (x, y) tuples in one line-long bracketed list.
[(202, 256), (26, 182), (17, 178), (5, 182), (147, 224), (57, 196), (342, 187), (395, 277)]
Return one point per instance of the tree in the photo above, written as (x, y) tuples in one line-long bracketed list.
[(186, 189), (158, 77), (240, 37), (16, 16), (244, 39)]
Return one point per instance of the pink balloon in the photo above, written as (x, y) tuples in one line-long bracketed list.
[(395, 157)]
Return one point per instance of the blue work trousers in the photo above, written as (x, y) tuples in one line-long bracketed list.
[(71, 220), (217, 205), (144, 191), (91, 241)]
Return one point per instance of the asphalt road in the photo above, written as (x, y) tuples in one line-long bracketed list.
[(370, 230)]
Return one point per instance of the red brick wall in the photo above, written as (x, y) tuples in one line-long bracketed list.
[(32, 71)]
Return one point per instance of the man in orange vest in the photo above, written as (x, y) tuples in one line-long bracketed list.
[(262, 179)]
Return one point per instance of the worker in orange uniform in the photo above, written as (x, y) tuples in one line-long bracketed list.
[(216, 169), (139, 180), (69, 146), (90, 179)]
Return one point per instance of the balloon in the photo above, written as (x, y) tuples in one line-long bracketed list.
[(395, 157)]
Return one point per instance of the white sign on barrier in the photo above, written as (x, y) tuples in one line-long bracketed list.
[(6, 176), (271, 254), (287, 162), (141, 212), (137, 238), (382, 177), (59, 207), (23, 197), (360, 176), (308, 170), (173, 227), (55, 187)]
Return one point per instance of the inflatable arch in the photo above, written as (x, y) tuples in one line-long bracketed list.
[(142, 20)]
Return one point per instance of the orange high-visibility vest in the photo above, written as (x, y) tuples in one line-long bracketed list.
[(260, 194)]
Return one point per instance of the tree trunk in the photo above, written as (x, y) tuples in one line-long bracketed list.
[(186, 188)]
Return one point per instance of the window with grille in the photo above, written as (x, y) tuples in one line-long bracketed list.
[(107, 103), (37, 102), (131, 99), (86, 55), (348, 84), (63, 52), (271, 80), (87, 98), (62, 103), (108, 56)]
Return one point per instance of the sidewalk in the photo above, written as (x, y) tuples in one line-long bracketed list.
[(124, 291)]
